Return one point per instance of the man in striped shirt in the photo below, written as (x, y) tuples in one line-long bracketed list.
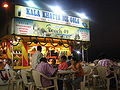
[(106, 63)]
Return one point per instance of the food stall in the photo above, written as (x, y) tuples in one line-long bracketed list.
[(30, 27)]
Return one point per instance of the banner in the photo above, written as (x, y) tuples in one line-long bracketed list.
[(41, 15), (44, 29)]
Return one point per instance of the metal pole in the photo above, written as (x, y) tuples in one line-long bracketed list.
[(82, 53)]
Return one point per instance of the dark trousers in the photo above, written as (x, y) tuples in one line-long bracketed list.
[(112, 81), (60, 84)]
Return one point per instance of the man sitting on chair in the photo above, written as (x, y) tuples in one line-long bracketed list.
[(46, 69)]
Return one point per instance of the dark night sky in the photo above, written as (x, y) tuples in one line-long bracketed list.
[(105, 23)]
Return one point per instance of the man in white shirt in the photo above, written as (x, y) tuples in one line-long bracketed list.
[(36, 57)]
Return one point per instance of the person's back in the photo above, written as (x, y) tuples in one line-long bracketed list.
[(105, 62), (46, 69), (36, 56)]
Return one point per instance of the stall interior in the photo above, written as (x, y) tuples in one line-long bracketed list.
[(49, 52), (20, 51)]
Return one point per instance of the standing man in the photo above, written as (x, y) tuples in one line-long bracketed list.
[(36, 57)]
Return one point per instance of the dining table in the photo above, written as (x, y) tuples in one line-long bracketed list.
[(65, 75)]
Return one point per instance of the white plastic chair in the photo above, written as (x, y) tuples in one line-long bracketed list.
[(102, 74), (26, 82), (37, 79), (13, 79), (88, 71)]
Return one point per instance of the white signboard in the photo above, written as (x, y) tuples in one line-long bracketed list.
[(40, 15)]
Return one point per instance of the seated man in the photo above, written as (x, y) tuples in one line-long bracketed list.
[(106, 62), (63, 65), (79, 75), (46, 69)]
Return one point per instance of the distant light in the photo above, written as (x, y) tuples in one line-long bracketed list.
[(31, 4), (78, 42), (57, 9), (14, 41), (78, 52), (5, 5), (18, 38), (82, 15)]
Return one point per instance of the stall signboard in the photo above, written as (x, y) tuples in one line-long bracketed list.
[(46, 16), (46, 29)]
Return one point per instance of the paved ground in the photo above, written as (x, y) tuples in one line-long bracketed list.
[(5, 87)]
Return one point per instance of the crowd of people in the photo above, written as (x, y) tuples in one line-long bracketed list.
[(67, 63), (41, 64)]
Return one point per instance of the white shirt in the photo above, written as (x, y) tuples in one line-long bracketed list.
[(36, 59)]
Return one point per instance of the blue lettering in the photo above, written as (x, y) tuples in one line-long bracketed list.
[(35, 13), (45, 14), (58, 17), (84, 24), (38, 12), (74, 20), (54, 16), (50, 15), (65, 18), (28, 11), (32, 12), (77, 21)]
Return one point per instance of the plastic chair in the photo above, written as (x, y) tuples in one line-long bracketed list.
[(2, 82), (95, 77), (13, 79), (37, 79), (2, 78), (102, 74), (117, 71), (27, 83), (88, 71)]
